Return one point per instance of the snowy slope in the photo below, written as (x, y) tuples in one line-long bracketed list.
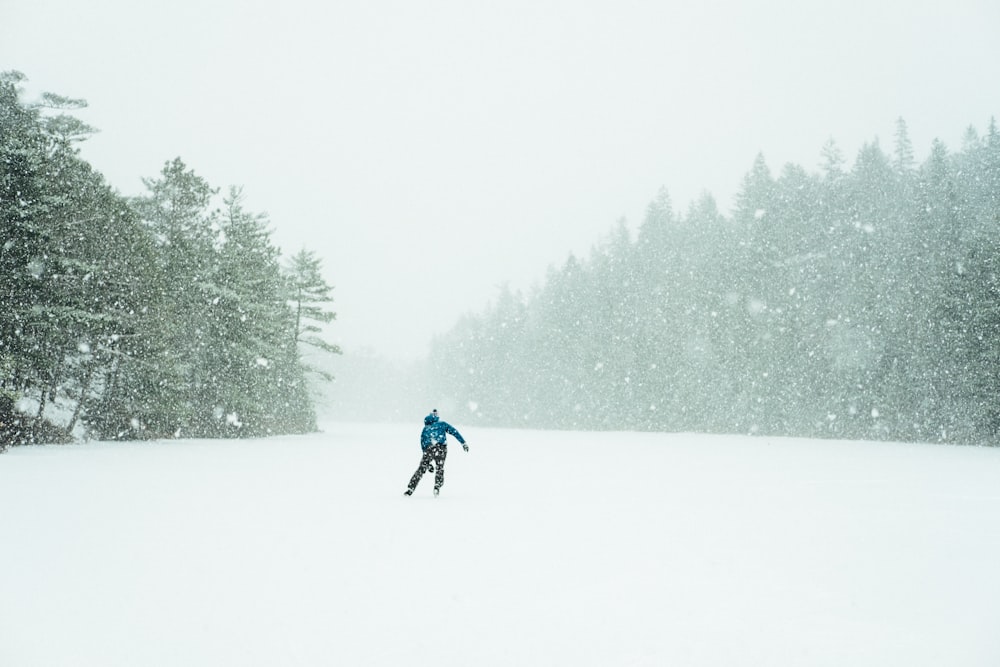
[(544, 548)]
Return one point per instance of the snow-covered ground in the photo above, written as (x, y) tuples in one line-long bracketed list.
[(545, 548)]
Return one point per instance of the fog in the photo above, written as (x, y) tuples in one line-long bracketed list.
[(431, 152)]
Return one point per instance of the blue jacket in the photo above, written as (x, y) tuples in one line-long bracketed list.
[(436, 432)]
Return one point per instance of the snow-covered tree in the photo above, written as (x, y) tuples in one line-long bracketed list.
[(310, 296), (850, 303)]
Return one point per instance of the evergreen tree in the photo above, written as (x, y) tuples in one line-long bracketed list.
[(165, 371), (709, 389), (70, 253), (256, 385), (148, 318), (851, 303), (309, 293), (970, 356), (753, 324), (904, 161), (832, 164), (660, 327), (22, 151)]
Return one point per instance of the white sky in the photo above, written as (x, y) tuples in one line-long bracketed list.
[(430, 151)]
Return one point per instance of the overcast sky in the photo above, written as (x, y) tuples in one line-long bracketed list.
[(430, 151)]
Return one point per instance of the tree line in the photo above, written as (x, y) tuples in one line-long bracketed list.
[(854, 302), (154, 316)]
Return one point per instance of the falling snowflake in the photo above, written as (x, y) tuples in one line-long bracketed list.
[(36, 267)]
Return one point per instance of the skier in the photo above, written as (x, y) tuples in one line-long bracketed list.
[(434, 445)]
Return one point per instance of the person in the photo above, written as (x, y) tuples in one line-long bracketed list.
[(434, 449)]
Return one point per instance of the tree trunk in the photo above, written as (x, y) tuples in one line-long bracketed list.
[(84, 391)]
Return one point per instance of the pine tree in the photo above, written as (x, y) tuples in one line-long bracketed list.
[(256, 382), (70, 252), (164, 370), (148, 318), (22, 148), (862, 232), (858, 304), (308, 292), (832, 164), (967, 381), (904, 161), (711, 348)]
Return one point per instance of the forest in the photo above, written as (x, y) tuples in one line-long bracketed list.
[(857, 301), (158, 316)]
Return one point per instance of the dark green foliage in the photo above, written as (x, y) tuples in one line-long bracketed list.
[(68, 257), (310, 299), (214, 355), (154, 317), (859, 303), (308, 292)]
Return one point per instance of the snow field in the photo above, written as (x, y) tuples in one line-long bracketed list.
[(545, 548)]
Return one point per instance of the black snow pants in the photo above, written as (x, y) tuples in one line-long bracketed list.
[(435, 454)]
